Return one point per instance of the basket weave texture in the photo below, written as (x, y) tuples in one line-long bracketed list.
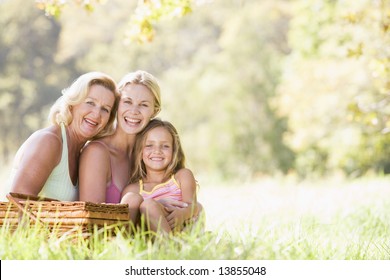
[(61, 214)]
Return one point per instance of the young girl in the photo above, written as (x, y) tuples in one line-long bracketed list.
[(159, 175)]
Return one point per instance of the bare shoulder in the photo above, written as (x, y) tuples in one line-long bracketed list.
[(185, 175), (44, 143), (42, 149), (95, 149), (133, 187), (50, 136), (184, 172), (95, 160)]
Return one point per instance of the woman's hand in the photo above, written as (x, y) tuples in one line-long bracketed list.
[(178, 217), (172, 204)]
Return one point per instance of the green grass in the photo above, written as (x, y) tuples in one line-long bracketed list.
[(270, 220)]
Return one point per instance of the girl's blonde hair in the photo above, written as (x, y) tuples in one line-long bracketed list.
[(141, 77), (178, 157), (61, 112)]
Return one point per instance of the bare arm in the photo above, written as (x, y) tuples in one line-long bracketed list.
[(35, 161), (188, 187), (170, 204), (94, 172), (132, 188)]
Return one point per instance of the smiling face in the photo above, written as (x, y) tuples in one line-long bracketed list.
[(157, 151), (92, 115), (136, 108)]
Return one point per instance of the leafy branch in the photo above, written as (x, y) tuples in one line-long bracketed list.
[(142, 21)]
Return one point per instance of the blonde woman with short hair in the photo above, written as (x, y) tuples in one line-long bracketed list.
[(47, 162)]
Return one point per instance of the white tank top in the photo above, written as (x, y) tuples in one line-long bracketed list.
[(59, 185)]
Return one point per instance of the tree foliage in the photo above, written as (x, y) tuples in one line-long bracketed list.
[(254, 87), (335, 87), (143, 17), (29, 75)]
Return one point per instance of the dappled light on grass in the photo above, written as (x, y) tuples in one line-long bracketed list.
[(271, 220)]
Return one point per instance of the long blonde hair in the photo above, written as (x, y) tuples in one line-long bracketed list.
[(178, 157), (61, 112)]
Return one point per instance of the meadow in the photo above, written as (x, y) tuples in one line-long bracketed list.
[(270, 219)]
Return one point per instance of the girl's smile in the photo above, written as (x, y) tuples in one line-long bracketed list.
[(158, 148)]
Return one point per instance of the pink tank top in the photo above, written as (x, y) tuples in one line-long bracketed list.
[(113, 194), (168, 189)]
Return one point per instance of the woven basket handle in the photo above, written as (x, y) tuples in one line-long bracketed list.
[(15, 198), (29, 197)]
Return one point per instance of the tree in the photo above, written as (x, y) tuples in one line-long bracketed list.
[(334, 90), (253, 86), (141, 23), (196, 57), (368, 24), (226, 89), (30, 79)]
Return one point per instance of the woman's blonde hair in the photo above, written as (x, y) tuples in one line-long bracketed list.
[(61, 112), (141, 77), (178, 157)]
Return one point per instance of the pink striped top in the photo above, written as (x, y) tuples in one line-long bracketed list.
[(168, 189)]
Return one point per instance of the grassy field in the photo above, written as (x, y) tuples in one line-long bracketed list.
[(283, 219), (272, 219)]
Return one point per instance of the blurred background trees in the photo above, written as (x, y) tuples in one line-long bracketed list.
[(336, 85), (254, 86)]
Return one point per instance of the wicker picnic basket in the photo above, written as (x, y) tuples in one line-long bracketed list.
[(60, 215)]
